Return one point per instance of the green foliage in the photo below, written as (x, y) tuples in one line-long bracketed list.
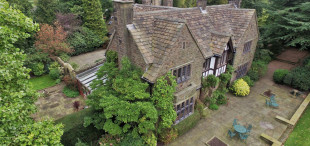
[(84, 40), (263, 55), (92, 17), (217, 2), (187, 123), (131, 140), (168, 135), (74, 129), (23, 5), (248, 80), (298, 78), (64, 57), (45, 11), (200, 107), (150, 139), (279, 75), (74, 65), (54, 74), (257, 70), (163, 96), (37, 68), (69, 92), (123, 98), (35, 56), (111, 56), (17, 97), (80, 143), (42, 82), (240, 88), (288, 23), (210, 81), (213, 106), (107, 8)]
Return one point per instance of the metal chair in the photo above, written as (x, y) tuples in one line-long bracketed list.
[(235, 122), (248, 130), (231, 134), (268, 102), (243, 136)]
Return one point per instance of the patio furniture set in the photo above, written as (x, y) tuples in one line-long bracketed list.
[(272, 102), (240, 130)]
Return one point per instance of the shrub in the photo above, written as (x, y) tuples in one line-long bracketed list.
[(64, 57), (54, 74), (279, 74), (129, 140), (112, 56), (74, 65), (168, 135), (80, 143), (298, 78), (71, 83), (240, 88), (210, 81), (221, 99), (76, 105), (84, 40), (213, 107), (108, 139), (187, 123), (248, 80), (200, 107), (225, 78), (257, 70), (263, 55), (150, 139), (37, 68), (70, 93)]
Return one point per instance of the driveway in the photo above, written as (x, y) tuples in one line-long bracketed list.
[(88, 60)]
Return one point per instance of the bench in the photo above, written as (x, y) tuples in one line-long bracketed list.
[(297, 114), (274, 141)]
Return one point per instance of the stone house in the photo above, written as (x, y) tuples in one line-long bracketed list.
[(190, 42)]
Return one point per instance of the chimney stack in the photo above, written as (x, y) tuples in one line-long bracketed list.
[(123, 15), (202, 4)]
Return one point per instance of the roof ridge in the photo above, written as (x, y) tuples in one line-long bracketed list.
[(170, 19), (169, 10)]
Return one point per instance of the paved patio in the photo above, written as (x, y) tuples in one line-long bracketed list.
[(248, 110), (56, 105)]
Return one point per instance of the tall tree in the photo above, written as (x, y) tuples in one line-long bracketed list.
[(46, 11), (93, 17), (16, 96), (288, 23), (52, 40), (122, 103)]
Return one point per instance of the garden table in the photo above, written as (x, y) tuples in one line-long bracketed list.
[(240, 129)]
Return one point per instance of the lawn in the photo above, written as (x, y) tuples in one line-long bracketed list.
[(42, 82), (301, 133)]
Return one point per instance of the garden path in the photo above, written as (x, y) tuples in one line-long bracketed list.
[(87, 60), (55, 105)]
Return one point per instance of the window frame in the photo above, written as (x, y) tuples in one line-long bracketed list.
[(182, 73), (184, 109), (247, 47)]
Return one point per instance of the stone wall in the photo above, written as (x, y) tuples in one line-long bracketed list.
[(251, 34), (179, 57), (68, 70)]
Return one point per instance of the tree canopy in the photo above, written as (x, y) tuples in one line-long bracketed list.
[(46, 11), (288, 23), (16, 96)]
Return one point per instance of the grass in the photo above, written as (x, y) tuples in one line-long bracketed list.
[(74, 129), (301, 133), (70, 93), (42, 82)]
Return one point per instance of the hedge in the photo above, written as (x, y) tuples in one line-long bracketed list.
[(187, 123)]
